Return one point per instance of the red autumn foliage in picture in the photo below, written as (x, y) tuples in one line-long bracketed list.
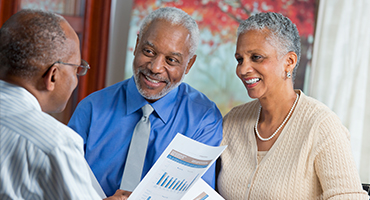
[(224, 16)]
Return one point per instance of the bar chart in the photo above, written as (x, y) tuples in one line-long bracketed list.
[(177, 173), (175, 184)]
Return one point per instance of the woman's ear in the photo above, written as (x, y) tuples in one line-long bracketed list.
[(50, 78), (291, 61)]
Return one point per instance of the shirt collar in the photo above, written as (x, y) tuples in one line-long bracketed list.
[(162, 107), (17, 93)]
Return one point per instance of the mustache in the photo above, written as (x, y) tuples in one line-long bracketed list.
[(152, 75)]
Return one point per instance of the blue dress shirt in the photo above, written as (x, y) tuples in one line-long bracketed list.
[(106, 120)]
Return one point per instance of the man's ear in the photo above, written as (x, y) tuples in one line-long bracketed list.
[(291, 61), (137, 43), (50, 78), (190, 63)]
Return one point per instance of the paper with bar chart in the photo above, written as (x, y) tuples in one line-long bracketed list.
[(201, 191), (180, 166)]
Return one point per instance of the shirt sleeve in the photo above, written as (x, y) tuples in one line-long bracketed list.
[(67, 172), (334, 163), (210, 133)]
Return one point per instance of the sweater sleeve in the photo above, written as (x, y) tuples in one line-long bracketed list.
[(334, 162)]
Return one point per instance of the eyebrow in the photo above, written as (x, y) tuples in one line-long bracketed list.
[(152, 45), (250, 51), (148, 43)]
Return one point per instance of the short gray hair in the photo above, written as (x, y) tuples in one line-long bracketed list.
[(285, 36), (176, 17), (30, 38)]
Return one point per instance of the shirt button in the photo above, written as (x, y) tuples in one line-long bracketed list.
[(249, 185)]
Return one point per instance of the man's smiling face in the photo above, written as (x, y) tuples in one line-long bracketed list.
[(161, 59)]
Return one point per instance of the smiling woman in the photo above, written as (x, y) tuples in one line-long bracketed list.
[(284, 145)]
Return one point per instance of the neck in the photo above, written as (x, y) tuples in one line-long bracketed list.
[(276, 107), (31, 85)]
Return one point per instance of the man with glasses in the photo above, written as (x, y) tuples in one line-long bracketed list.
[(108, 119), (40, 158)]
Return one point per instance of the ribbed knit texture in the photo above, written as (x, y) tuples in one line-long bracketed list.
[(311, 159)]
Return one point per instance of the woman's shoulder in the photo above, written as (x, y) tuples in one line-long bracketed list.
[(241, 114), (243, 109), (317, 115), (314, 108)]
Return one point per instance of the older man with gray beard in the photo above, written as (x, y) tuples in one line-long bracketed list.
[(106, 120)]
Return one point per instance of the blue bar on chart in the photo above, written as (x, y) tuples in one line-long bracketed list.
[(173, 183), (191, 182), (161, 178), (168, 182), (183, 186)]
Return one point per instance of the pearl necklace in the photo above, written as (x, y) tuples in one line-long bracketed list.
[(281, 125)]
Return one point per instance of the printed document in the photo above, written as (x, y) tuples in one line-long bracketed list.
[(178, 172)]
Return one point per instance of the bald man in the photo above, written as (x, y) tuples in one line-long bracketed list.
[(40, 157)]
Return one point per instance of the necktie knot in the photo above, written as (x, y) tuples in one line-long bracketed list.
[(147, 110)]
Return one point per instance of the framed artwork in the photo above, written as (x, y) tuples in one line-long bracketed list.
[(214, 70), (65, 7)]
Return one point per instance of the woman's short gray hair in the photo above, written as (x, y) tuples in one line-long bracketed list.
[(176, 17), (284, 37)]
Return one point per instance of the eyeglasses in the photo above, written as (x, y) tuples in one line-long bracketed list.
[(81, 69)]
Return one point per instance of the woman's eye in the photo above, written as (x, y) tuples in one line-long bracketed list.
[(239, 60), (256, 57)]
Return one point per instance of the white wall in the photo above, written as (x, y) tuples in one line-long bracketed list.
[(118, 36)]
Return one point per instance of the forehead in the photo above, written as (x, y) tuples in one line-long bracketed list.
[(255, 39), (167, 37)]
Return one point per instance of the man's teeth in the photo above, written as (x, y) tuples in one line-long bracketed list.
[(252, 81), (151, 80)]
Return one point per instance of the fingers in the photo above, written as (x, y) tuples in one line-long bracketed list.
[(119, 195)]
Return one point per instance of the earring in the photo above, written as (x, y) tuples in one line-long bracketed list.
[(288, 75)]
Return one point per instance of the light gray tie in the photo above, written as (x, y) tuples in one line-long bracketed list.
[(136, 154)]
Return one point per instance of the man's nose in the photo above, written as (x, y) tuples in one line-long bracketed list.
[(157, 65)]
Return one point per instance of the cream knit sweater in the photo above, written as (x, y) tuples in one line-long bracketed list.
[(311, 159)]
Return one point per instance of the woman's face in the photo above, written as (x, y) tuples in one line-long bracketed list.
[(259, 66)]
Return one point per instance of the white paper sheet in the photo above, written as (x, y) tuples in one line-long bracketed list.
[(201, 191), (180, 166)]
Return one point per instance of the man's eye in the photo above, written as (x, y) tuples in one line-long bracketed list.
[(148, 52), (172, 60)]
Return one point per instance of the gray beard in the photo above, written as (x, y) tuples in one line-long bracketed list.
[(162, 93)]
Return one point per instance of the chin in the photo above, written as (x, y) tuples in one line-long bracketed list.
[(59, 109), (253, 95), (153, 95)]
